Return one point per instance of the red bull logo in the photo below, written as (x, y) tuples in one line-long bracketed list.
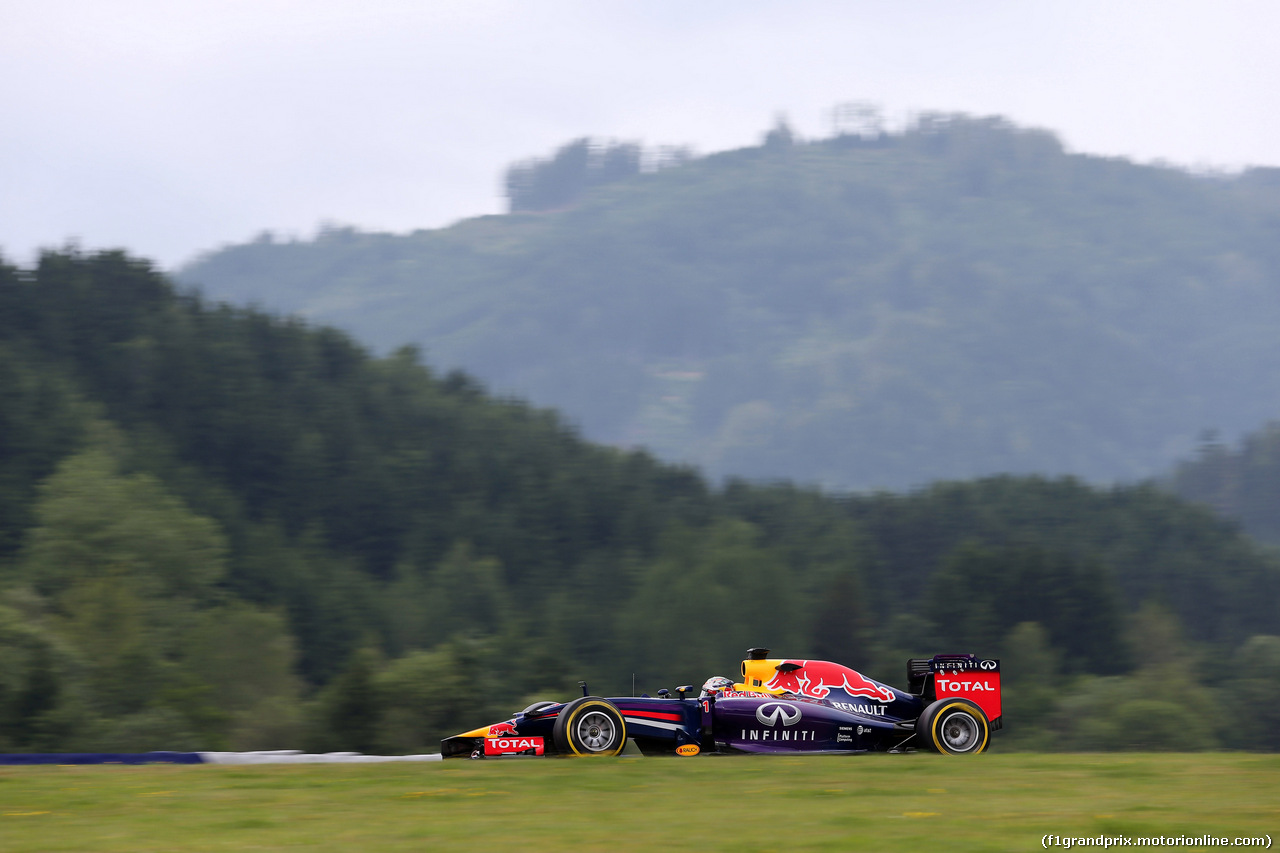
[(817, 678), (507, 729)]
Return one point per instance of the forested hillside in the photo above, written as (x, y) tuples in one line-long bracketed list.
[(1241, 482), (220, 528), (959, 299)]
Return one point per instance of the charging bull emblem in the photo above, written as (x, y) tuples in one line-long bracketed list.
[(503, 730), (817, 678)]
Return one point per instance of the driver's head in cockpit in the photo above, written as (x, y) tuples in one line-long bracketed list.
[(715, 685)]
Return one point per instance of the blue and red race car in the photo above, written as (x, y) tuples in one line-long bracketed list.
[(951, 706)]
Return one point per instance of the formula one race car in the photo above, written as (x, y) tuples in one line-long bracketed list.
[(951, 706)]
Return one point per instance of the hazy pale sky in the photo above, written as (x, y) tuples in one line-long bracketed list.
[(172, 127)]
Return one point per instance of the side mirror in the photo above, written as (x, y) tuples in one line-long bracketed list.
[(683, 690), (664, 693)]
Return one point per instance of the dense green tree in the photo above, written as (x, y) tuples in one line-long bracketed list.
[(1030, 684), (1253, 693), (94, 522), (576, 167), (241, 665), (465, 595), (42, 705), (1152, 546), (713, 594), (426, 696), (979, 595), (348, 713), (125, 567), (1241, 483), (1161, 706), (131, 577), (41, 420)]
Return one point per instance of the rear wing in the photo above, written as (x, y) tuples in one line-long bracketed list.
[(965, 676)]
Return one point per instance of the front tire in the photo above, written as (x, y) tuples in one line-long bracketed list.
[(590, 726), (954, 727)]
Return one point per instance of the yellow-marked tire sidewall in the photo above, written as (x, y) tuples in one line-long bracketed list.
[(969, 708), (585, 705)]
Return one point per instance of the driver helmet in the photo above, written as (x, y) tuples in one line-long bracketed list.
[(715, 684)]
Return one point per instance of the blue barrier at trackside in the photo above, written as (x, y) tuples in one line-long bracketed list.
[(102, 758), (276, 756)]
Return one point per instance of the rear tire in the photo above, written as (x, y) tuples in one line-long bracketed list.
[(954, 727), (590, 726)]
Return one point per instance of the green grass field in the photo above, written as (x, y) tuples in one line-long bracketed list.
[(993, 802)]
